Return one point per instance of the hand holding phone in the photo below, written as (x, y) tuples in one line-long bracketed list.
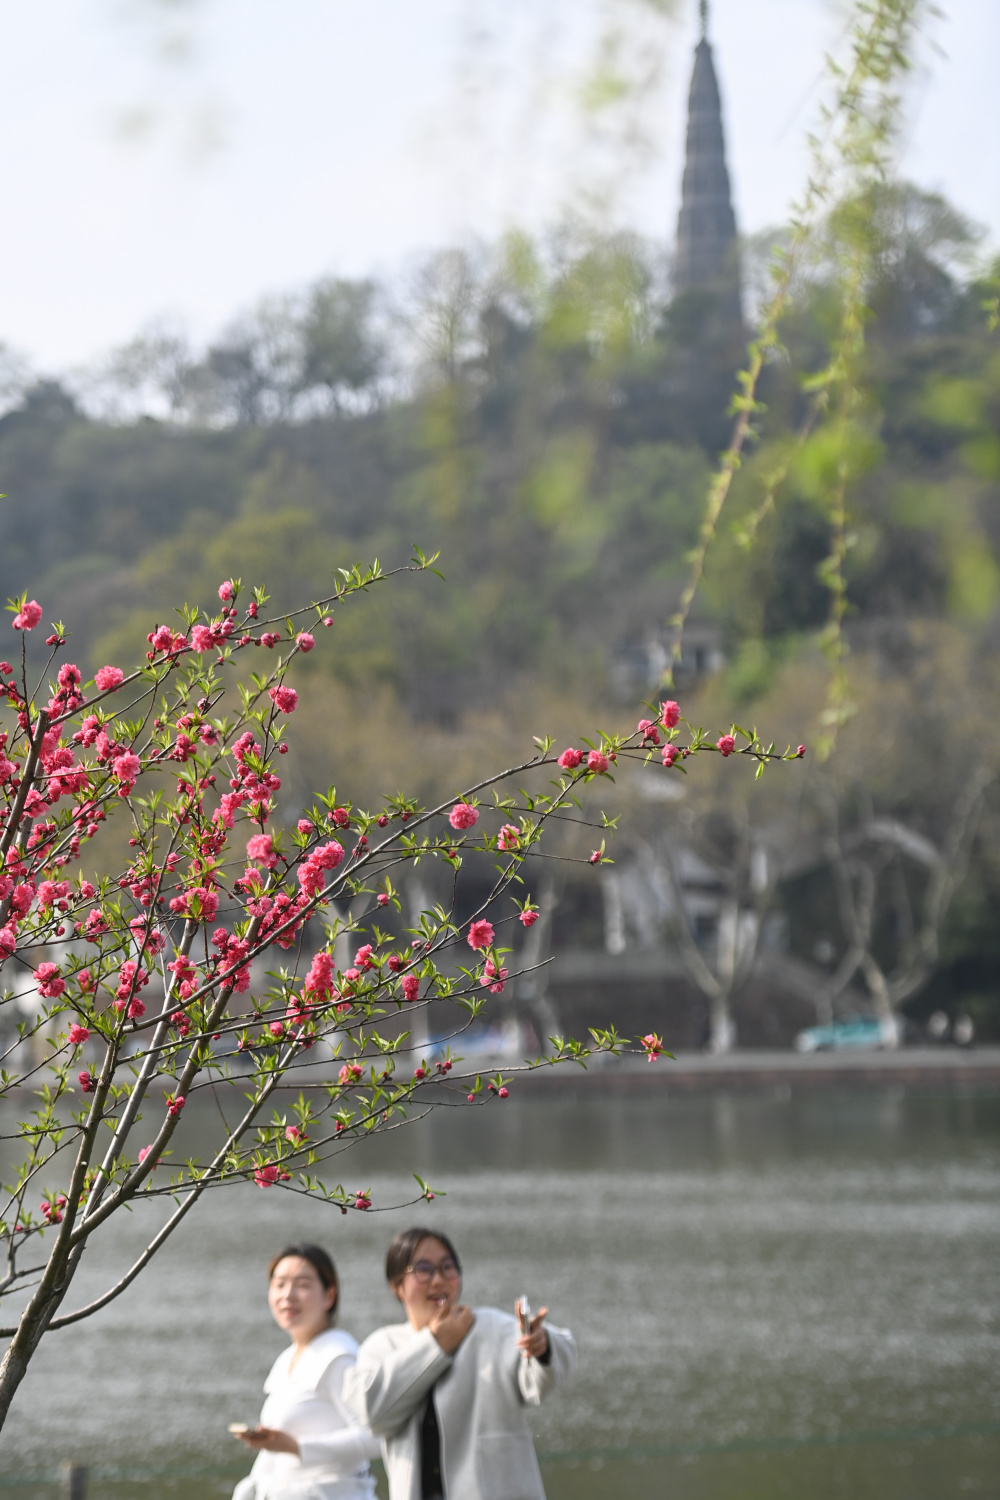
[(532, 1338)]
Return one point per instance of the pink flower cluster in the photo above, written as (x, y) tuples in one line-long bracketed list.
[(319, 980), (131, 978), (108, 679), (311, 871), (284, 698), (494, 977), (49, 981), (481, 934), (462, 816), (28, 616)]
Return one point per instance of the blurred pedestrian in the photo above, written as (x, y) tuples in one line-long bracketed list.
[(449, 1390), (309, 1444)]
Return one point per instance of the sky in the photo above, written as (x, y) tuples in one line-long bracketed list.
[(178, 159)]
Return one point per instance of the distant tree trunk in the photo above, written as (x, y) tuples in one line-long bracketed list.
[(737, 943), (859, 862)]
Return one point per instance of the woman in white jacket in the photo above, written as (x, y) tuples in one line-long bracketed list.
[(449, 1390), (310, 1446)]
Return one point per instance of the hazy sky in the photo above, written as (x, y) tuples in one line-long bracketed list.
[(182, 157)]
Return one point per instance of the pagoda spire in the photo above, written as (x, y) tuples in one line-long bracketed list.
[(707, 252)]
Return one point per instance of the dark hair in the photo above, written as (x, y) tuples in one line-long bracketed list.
[(321, 1264), (403, 1248)]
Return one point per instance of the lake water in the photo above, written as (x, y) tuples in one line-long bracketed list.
[(772, 1295)]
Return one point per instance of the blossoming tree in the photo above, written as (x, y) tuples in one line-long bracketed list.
[(144, 987)]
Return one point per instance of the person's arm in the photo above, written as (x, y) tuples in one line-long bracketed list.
[(547, 1367), (347, 1446), (386, 1386)]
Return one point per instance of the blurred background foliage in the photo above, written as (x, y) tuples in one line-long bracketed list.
[(547, 417)]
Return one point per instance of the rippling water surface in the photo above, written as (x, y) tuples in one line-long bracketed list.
[(771, 1296)]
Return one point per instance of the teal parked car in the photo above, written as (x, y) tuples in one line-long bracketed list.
[(862, 1033)]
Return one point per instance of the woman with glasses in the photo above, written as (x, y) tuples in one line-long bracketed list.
[(449, 1390), (309, 1444)]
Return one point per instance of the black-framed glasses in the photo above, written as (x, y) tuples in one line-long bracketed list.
[(424, 1270)]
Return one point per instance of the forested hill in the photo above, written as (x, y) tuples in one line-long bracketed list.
[(552, 439)]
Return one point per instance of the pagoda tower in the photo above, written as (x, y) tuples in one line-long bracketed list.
[(707, 257)]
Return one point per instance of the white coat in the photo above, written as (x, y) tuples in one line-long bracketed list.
[(308, 1402), (481, 1396)]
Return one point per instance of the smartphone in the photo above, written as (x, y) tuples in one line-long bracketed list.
[(524, 1315), (238, 1428)]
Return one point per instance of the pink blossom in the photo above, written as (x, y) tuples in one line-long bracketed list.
[(294, 1134), (463, 815), (226, 591), (174, 1106), (8, 940), (87, 1081), (107, 679), (382, 898), (670, 754), (494, 977), (653, 1046), (206, 901), (29, 616), (143, 1153), (411, 986), (509, 837), (136, 1008), (305, 641), (260, 848), (570, 759), (202, 638), (597, 762), (284, 698), (595, 858), (528, 917), (130, 976), (77, 1034), (350, 1073), (319, 980), (49, 981), (304, 825), (266, 1176), (84, 979), (361, 1201), (670, 714), (481, 934), (127, 768), (328, 856), (648, 731), (801, 751), (726, 744), (340, 817)]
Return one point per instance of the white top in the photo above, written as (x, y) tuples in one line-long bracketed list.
[(482, 1395), (307, 1402)]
